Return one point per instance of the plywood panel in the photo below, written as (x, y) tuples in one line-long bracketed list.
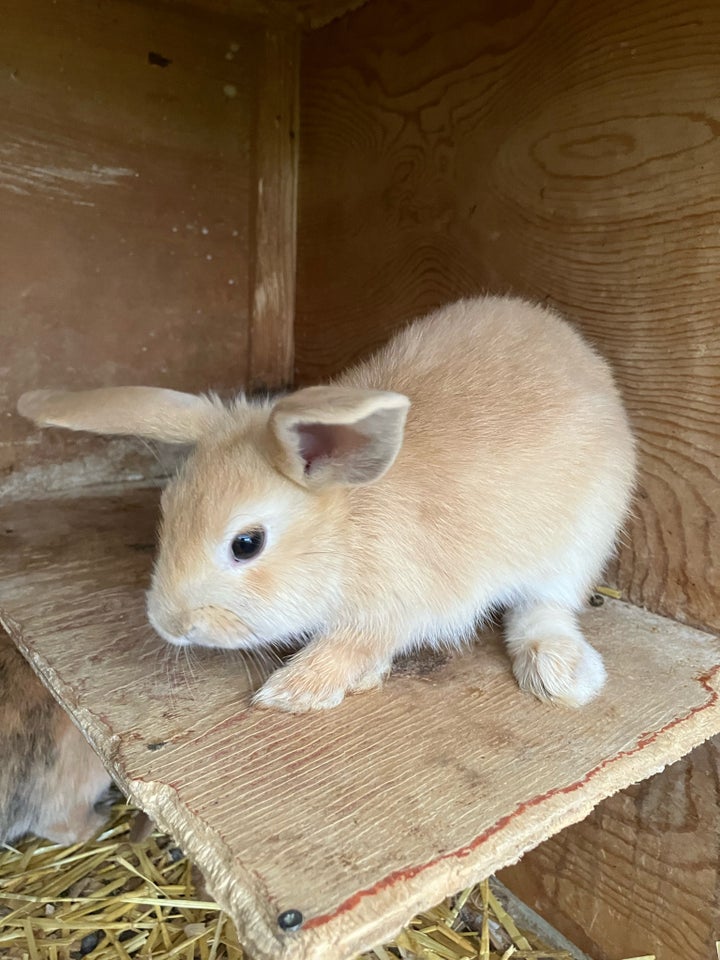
[(641, 875), (273, 216), (566, 151), (358, 816), (310, 14), (125, 165), (316, 13)]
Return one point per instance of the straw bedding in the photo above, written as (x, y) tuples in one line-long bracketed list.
[(113, 899)]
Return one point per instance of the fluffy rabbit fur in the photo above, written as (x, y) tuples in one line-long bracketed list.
[(51, 782), (481, 460)]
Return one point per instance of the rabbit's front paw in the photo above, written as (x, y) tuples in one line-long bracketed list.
[(318, 679), (298, 688)]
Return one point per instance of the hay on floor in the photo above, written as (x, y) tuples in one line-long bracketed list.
[(111, 899)]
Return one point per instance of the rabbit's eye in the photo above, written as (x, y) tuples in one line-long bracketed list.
[(247, 545)]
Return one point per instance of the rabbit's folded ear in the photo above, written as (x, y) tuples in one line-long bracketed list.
[(337, 435), (150, 412)]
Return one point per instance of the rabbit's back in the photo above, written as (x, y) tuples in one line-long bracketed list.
[(498, 369), (517, 453)]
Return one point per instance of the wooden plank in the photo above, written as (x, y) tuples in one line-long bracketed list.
[(272, 290), (641, 874), (124, 195), (358, 816), (318, 13), (441, 156), (310, 14)]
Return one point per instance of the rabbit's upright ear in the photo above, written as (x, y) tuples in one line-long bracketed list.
[(326, 436), (150, 412)]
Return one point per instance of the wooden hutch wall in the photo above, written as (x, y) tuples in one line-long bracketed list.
[(562, 150), (136, 243)]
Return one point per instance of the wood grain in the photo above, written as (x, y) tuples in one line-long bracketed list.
[(327, 813), (272, 281), (641, 875), (561, 150), (125, 154), (308, 14), (317, 13)]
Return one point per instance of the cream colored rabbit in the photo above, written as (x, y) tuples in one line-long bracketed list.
[(481, 460)]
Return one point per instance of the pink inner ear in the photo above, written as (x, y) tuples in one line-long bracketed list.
[(327, 441)]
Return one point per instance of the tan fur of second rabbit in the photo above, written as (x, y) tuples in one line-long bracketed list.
[(51, 781), (505, 486)]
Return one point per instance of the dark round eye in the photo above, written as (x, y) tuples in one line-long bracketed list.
[(247, 545)]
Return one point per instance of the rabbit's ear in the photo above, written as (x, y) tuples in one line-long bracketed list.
[(326, 436), (150, 412)]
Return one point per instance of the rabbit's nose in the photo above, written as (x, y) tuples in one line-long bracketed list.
[(170, 626), (175, 637)]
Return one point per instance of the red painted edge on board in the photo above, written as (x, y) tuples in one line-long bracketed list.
[(409, 873)]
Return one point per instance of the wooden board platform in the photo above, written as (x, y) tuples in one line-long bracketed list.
[(359, 816)]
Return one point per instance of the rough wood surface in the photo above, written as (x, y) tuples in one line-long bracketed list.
[(567, 151), (641, 875), (317, 13), (272, 283), (309, 14), (125, 142), (358, 816)]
